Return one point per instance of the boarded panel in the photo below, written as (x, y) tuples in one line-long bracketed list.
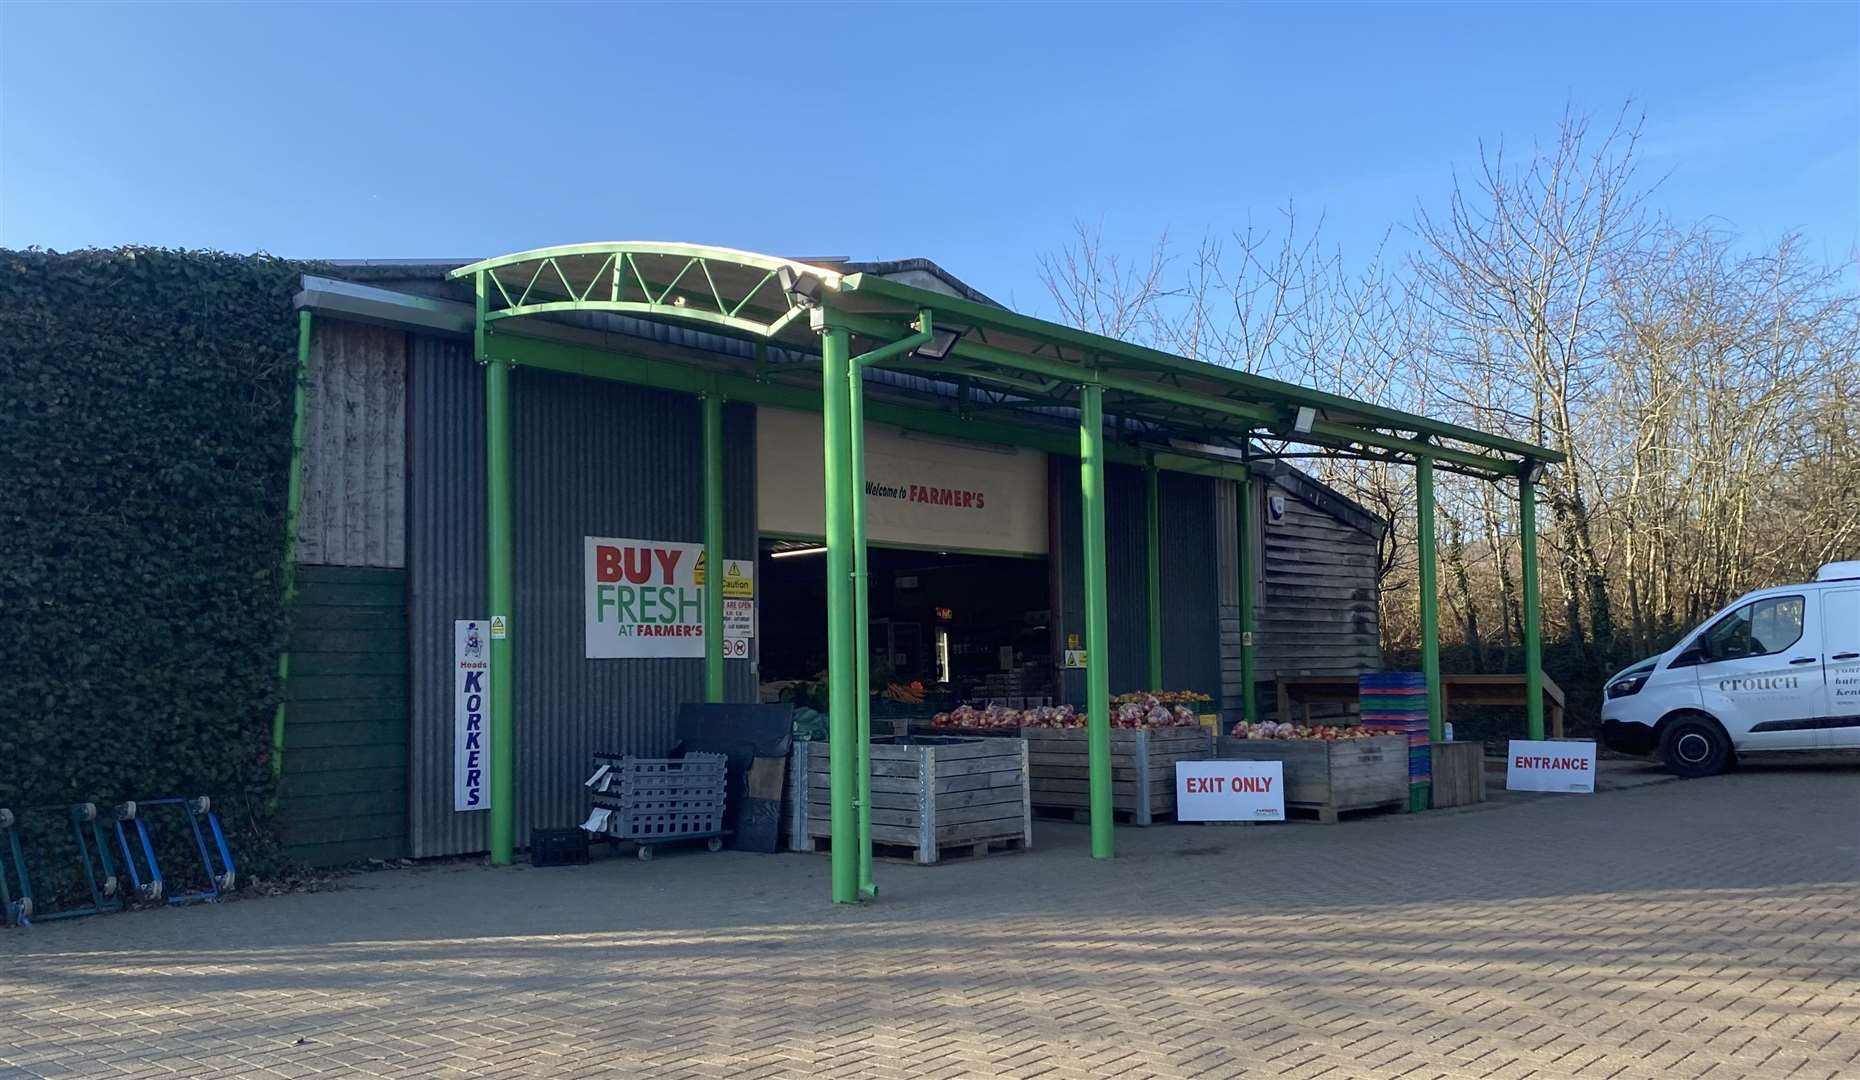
[(1317, 613), (354, 463), (589, 457), (344, 794)]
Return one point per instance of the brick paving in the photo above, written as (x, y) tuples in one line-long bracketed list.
[(1700, 929)]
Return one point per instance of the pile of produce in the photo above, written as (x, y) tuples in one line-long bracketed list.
[(1139, 710), (904, 695), (1266, 729)]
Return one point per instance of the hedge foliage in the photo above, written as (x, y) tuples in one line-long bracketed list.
[(144, 459)]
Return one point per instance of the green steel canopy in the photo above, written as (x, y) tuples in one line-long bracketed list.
[(1032, 362), (1034, 380)]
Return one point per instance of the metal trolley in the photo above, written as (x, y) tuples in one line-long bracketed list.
[(652, 801)]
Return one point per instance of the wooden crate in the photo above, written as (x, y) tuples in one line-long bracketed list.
[(930, 794), (1458, 773), (1142, 768), (1331, 778)]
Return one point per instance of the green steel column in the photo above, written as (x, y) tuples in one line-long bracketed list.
[(862, 630), (713, 547), (1427, 553), (842, 685), (497, 514), (293, 503), (1533, 637), (1152, 499), (1097, 620), (1249, 698)]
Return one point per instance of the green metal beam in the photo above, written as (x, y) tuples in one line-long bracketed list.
[(502, 592), (958, 311), (1097, 622), (842, 662), (713, 548), (1427, 555), (638, 370), (293, 505), (1247, 521), (1152, 551), (634, 307), (1486, 464), (1533, 632)]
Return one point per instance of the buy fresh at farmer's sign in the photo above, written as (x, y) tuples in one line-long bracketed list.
[(646, 598), (642, 598)]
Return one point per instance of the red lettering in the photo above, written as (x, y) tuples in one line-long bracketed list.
[(606, 563), (1523, 762), (978, 500), (917, 493), (668, 561), (968, 498), (636, 565)]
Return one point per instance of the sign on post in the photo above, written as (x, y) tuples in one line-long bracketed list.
[(471, 693), (1550, 765), (1229, 791), (739, 605)]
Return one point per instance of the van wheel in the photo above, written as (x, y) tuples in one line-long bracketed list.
[(1695, 746)]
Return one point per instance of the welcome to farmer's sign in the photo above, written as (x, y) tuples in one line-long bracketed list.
[(646, 598)]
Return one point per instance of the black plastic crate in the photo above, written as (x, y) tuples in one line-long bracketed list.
[(558, 847)]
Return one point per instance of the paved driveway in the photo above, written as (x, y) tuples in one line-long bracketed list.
[(1708, 928)]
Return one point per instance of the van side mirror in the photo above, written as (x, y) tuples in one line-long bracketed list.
[(1694, 655)]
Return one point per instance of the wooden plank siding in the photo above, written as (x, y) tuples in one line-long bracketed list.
[(344, 793), (1314, 587), (1317, 614), (354, 463)]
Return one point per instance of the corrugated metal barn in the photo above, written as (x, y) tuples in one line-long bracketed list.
[(392, 547)]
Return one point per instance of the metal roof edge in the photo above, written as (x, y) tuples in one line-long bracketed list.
[(366, 303)]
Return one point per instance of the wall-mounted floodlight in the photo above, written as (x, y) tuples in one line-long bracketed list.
[(1533, 471), (802, 287), (1306, 417), (941, 342)]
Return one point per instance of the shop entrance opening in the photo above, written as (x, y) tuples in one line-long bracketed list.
[(944, 625)]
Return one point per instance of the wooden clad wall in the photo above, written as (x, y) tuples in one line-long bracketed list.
[(1317, 612), (354, 510), (344, 794)]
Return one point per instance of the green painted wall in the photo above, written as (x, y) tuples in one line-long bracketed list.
[(344, 794)]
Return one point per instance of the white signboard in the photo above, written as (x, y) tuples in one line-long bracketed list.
[(646, 598), (641, 598), (919, 489), (1550, 766), (1229, 791), (471, 732)]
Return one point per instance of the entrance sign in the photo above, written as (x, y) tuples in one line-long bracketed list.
[(1230, 791), (1551, 765), (471, 691), (919, 490), (641, 598)]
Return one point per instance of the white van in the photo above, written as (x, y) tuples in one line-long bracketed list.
[(1779, 669)]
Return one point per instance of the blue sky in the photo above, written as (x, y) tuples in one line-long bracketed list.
[(974, 135)]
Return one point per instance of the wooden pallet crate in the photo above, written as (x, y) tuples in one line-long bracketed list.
[(1142, 768), (931, 794), (1458, 773), (1331, 778)]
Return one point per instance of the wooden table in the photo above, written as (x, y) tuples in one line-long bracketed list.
[(1305, 690)]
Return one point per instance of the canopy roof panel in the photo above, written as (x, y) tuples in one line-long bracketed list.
[(1032, 366)]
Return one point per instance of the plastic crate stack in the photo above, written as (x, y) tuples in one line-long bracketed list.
[(654, 799), (1397, 700)]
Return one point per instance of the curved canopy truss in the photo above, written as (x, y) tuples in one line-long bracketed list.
[(739, 290)]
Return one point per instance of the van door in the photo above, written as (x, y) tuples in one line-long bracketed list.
[(1840, 646), (1760, 673)]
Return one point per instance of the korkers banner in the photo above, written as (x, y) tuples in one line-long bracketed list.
[(642, 598), (471, 696), (919, 490)]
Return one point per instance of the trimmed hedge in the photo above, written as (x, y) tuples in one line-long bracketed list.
[(144, 457)]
